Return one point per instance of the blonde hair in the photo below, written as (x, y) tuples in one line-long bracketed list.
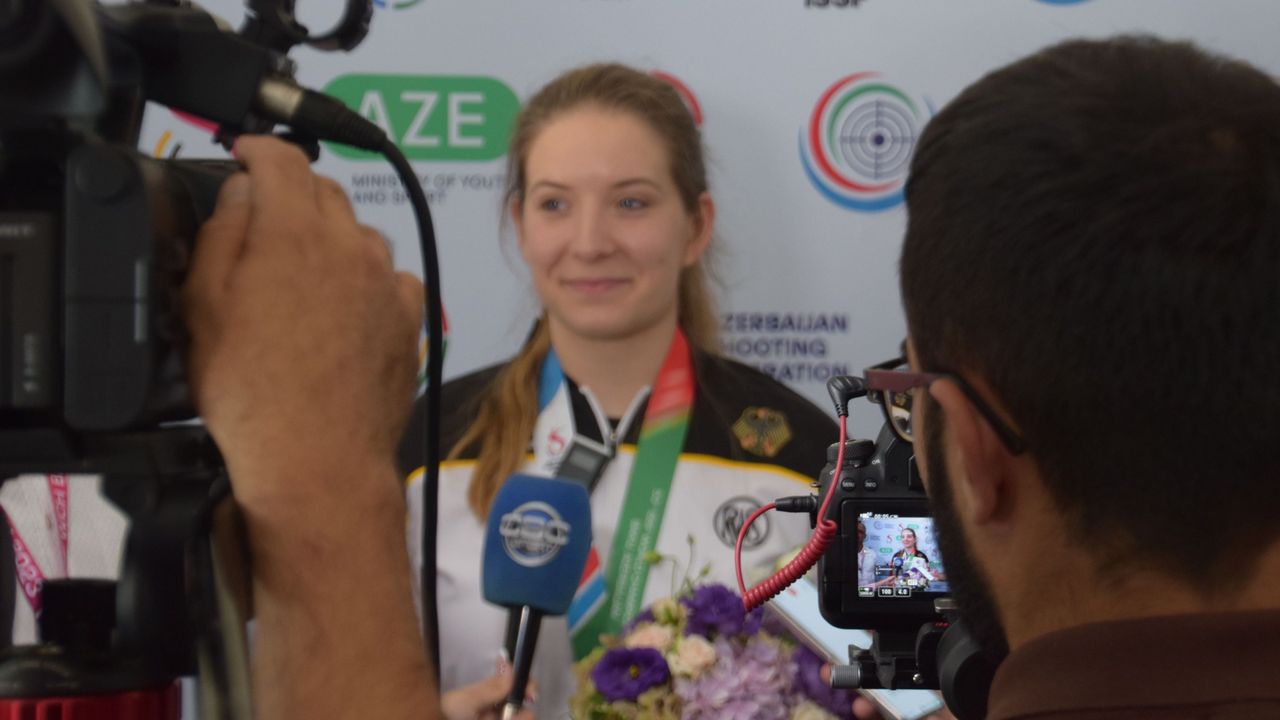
[(509, 409)]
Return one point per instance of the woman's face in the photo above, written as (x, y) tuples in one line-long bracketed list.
[(602, 225), (909, 539)]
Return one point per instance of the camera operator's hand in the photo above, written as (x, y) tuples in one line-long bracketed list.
[(302, 362), (304, 338)]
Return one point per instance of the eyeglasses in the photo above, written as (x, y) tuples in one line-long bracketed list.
[(892, 384)]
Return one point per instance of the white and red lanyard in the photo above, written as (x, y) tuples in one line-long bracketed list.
[(30, 576)]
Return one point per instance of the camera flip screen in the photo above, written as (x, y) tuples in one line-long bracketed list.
[(898, 558)]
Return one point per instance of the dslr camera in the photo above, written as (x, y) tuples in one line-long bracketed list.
[(883, 573)]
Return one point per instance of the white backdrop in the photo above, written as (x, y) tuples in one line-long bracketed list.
[(809, 273)]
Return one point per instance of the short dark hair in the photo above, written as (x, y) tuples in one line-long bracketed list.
[(1095, 231)]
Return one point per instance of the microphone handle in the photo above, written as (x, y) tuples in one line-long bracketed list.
[(528, 623), (513, 629)]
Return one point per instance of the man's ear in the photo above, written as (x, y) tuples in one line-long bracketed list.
[(979, 462)]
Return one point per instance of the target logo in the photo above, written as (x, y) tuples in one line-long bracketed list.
[(857, 146)]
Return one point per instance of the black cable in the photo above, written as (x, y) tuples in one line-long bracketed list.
[(797, 504), (435, 371)]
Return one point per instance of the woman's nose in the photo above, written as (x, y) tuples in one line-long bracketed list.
[(592, 233)]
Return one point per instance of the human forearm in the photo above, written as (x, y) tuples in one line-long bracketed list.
[(334, 609), (302, 362)]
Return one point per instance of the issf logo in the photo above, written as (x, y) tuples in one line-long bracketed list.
[(857, 146)]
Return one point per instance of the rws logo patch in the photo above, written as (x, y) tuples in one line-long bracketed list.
[(729, 518), (431, 117)]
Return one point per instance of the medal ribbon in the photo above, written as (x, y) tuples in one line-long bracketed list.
[(609, 596)]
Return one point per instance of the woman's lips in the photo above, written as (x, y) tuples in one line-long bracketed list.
[(595, 286)]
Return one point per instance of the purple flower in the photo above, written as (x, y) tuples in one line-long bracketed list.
[(749, 680), (715, 609), (624, 673), (809, 683)]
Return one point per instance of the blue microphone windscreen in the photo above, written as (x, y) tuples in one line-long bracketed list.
[(536, 543)]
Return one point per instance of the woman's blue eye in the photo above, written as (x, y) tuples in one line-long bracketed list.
[(631, 203), (551, 204)]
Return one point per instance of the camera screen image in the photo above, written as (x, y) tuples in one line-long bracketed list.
[(899, 557)]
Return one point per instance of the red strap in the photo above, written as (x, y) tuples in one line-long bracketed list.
[(30, 576), (58, 493)]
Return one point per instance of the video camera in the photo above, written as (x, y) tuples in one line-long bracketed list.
[(883, 573), (95, 237), (95, 240)]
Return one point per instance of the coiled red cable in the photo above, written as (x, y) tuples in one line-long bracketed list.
[(822, 537)]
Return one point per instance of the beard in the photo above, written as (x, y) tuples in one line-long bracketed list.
[(969, 587)]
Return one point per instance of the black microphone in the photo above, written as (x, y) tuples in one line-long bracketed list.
[(192, 63), (535, 549)]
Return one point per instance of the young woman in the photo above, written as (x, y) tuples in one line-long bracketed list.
[(909, 561), (607, 192)]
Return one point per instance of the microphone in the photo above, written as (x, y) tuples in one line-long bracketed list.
[(535, 549), (194, 64)]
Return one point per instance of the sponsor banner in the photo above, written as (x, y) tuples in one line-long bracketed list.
[(798, 348), (808, 143)]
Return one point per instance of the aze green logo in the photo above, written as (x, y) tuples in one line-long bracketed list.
[(431, 117)]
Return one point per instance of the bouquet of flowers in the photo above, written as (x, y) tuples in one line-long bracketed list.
[(699, 655)]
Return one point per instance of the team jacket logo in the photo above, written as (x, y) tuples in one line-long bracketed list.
[(533, 534), (732, 514), (762, 431), (857, 146)]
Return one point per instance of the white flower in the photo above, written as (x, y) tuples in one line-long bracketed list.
[(667, 611), (809, 711), (649, 635), (693, 656)]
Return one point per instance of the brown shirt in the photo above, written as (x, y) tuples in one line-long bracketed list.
[(1207, 667)]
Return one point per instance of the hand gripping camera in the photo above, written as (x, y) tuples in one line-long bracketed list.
[(94, 244)]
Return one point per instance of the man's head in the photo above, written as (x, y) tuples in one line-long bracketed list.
[(1093, 244)]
